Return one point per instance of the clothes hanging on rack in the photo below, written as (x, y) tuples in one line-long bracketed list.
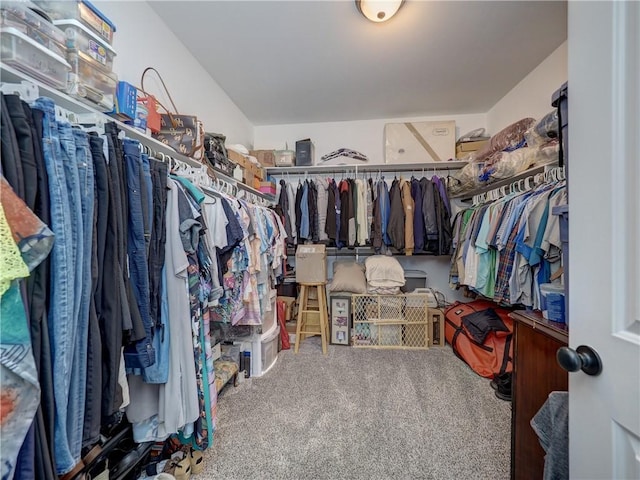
[(507, 248), (141, 264), (362, 212), (395, 227)]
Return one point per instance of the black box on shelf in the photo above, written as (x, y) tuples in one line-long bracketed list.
[(304, 153)]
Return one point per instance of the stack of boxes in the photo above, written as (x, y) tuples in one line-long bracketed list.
[(89, 35), (252, 174), (32, 44)]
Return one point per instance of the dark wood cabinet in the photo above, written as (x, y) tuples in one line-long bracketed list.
[(536, 373)]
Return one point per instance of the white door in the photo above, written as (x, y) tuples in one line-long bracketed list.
[(604, 228)]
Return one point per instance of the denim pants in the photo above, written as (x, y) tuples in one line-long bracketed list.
[(86, 183), (78, 389), (61, 315), (147, 200), (137, 252)]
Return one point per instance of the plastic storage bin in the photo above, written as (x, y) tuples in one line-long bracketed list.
[(269, 351), (270, 317), (18, 15), (88, 83), (82, 11), (80, 38), (552, 302), (414, 279), (24, 54)]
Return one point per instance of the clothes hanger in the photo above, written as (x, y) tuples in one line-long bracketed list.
[(26, 90)]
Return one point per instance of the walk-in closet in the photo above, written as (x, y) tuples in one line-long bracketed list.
[(353, 239)]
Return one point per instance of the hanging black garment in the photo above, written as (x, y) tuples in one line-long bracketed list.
[(353, 224), (445, 238), (283, 203), (330, 227), (312, 203), (418, 218), (345, 200), (395, 227), (429, 213), (299, 212)]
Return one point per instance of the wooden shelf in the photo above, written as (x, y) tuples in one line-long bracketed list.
[(11, 75), (365, 167)]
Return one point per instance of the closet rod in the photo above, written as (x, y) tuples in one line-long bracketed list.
[(383, 167)]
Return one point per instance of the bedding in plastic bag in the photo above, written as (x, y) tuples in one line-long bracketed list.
[(509, 138), (503, 165)]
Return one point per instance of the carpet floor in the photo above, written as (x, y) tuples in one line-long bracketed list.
[(361, 413)]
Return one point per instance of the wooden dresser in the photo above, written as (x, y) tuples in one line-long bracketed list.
[(536, 373)]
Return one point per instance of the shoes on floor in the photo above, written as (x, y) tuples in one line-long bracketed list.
[(502, 386), (196, 458), (500, 380)]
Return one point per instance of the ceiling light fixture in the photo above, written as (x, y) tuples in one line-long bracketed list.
[(378, 10)]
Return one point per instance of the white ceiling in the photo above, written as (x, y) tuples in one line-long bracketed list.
[(286, 62)]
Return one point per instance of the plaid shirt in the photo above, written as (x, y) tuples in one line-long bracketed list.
[(507, 256)]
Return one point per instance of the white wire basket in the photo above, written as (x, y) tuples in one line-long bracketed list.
[(390, 321)]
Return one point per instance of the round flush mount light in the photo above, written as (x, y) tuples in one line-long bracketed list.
[(379, 10)]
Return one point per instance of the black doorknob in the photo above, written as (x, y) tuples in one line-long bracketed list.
[(582, 358)]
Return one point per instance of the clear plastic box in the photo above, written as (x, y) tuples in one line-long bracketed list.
[(82, 11), (19, 16), (79, 37), (21, 52), (88, 83)]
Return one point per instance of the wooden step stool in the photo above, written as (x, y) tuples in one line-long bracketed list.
[(306, 310)]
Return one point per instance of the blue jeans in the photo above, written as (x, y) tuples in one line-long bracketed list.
[(86, 188), (62, 321), (136, 245), (147, 194), (78, 384)]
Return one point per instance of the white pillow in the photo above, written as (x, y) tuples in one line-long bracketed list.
[(348, 277), (384, 271)]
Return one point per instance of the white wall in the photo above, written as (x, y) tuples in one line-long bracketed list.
[(365, 136), (532, 96), (143, 40)]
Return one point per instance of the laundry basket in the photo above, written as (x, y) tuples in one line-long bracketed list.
[(390, 321)]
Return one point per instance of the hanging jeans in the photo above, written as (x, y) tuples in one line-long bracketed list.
[(146, 195), (136, 248), (80, 256), (62, 313)]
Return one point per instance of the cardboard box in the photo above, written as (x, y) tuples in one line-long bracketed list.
[(470, 146), (285, 158), (304, 153), (238, 158), (420, 142), (267, 158), (311, 264), (268, 187)]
